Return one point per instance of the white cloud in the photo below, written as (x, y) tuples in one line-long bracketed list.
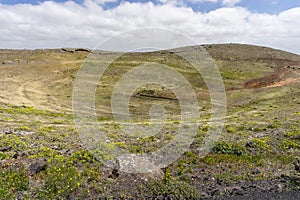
[(183, 2), (200, 1), (230, 2), (51, 24), (103, 1)]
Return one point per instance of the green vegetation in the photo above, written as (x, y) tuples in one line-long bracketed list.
[(261, 143), (12, 181), (294, 133), (17, 143), (25, 110), (23, 128), (289, 144), (228, 148), (177, 189), (60, 181), (260, 137), (230, 129)]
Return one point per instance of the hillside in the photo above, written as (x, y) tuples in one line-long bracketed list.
[(42, 156)]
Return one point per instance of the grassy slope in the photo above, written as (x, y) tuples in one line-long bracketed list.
[(260, 138)]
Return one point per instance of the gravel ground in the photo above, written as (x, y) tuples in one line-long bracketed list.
[(290, 195)]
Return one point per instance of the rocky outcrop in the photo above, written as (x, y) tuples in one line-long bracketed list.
[(73, 50), (37, 165)]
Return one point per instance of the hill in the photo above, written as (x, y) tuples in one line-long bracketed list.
[(42, 155)]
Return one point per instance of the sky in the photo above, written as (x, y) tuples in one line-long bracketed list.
[(36, 24)]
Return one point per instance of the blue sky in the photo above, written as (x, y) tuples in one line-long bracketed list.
[(261, 6)]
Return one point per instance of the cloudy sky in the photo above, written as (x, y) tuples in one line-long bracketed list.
[(85, 23)]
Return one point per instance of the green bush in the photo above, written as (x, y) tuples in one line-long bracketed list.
[(3, 156), (13, 180), (17, 143), (60, 181), (147, 92), (228, 148), (260, 143), (82, 156), (178, 189), (45, 152), (230, 129)]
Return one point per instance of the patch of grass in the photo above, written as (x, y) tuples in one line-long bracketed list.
[(230, 129), (121, 145), (288, 144), (273, 125), (258, 129), (23, 128), (229, 149), (27, 110), (294, 133), (192, 157), (102, 155), (16, 142), (185, 166), (92, 173), (82, 156), (12, 181), (60, 181), (42, 131), (43, 151), (284, 159), (260, 143), (3, 156), (147, 92), (167, 176)]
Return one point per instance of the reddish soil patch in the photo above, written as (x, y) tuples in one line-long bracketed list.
[(284, 82), (282, 76), (271, 79)]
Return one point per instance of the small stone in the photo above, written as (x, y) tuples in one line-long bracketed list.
[(279, 187), (38, 165), (19, 154), (238, 191), (16, 155), (297, 164), (256, 171), (9, 132), (159, 198), (256, 186), (295, 178), (215, 192), (204, 194), (171, 197), (55, 147), (5, 148), (114, 174)]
